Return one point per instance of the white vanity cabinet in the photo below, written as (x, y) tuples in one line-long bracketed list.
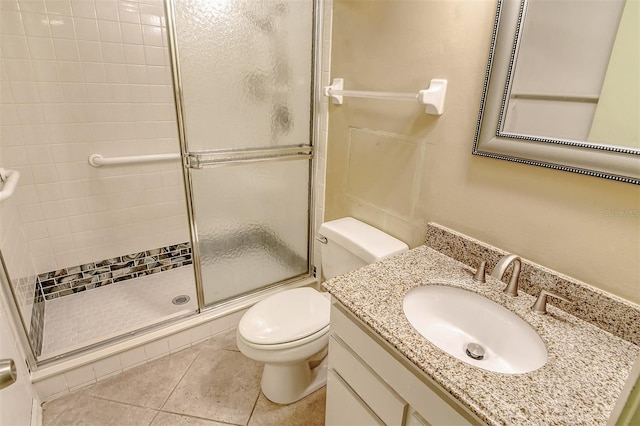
[(370, 383)]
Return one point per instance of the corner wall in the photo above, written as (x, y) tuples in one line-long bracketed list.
[(393, 166)]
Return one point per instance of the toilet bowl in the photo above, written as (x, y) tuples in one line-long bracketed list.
[(289, 331)]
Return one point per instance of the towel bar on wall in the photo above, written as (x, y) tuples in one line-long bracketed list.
[(432, 98)]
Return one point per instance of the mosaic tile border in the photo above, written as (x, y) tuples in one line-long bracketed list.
[(68, 281), (604, 310)]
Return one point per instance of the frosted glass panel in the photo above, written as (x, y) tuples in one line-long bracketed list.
[(252, 224), (246, 71)]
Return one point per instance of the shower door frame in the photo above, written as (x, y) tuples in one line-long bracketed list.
[(13, 314), (239, 156)]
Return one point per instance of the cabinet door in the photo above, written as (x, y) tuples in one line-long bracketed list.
[(344, 407), (415, 419), (435, 405), (369, 387)]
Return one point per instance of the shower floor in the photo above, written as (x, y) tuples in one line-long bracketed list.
[(95, 315)]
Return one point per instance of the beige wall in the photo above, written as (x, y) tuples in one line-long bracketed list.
[(616, 117), (420, 167)]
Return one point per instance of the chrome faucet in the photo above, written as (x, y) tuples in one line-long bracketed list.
[(498, 272)]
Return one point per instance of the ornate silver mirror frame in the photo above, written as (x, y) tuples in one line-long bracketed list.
[(615, 162)]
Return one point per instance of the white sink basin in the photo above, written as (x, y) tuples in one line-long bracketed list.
[(452, 318)]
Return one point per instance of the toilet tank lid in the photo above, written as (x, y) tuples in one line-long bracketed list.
[(368, 243)]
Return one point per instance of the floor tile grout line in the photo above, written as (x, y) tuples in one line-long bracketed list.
[(128, 404), (198, 351), (185, 416), (255, 404), (65, 406), (178, 383), (53, 420), (198, 417), (154, 418), (181, 377), (157, 410), (85, 392)]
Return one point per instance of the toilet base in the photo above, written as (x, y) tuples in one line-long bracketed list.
[(288, 383)]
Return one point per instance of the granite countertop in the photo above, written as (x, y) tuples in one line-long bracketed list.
[(580, 383)]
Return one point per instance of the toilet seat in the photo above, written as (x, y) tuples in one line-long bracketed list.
[(287, 345), (287, 319)]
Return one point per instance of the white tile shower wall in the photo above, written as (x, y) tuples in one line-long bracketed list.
[(17, 258), (81, 77)]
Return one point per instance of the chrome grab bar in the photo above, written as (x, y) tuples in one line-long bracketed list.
[(9, 179), (222, 157), (97, 160)]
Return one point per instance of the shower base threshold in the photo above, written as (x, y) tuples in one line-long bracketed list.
[(92, 316)]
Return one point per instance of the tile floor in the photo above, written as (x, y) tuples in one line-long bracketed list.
[(70, 321), (206, 385)]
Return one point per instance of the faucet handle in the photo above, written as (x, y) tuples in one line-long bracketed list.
[(540, 307), (480, 274)]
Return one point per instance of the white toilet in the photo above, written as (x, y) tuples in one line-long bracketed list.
[(289, 331)]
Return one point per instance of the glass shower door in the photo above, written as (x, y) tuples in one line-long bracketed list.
[(245, 70)]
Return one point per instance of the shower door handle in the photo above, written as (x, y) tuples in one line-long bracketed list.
[(223, 157), (8, 373)]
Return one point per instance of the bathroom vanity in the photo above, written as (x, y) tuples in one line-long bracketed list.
[(382, 371), (369, 383)]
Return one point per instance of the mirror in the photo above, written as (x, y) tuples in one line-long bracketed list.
[(562, 87)]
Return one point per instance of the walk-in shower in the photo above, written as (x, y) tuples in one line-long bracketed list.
[(202, 112)]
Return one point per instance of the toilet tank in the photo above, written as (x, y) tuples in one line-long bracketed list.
[(352, 244)]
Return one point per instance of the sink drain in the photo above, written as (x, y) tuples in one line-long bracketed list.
[(475, 351), (180, 300)]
